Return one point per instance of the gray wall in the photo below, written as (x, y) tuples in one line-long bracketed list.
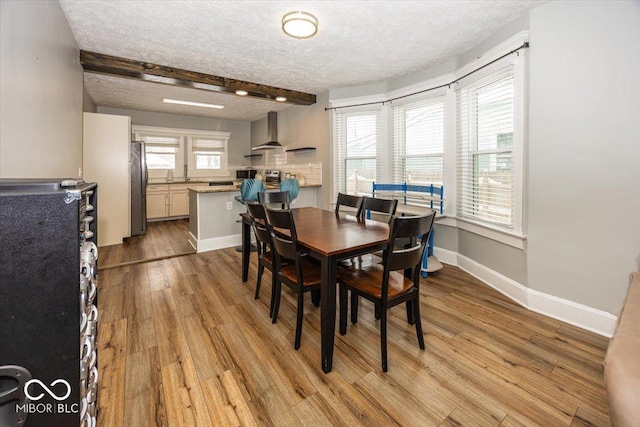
[(41, 98), (303, 126), (584, 150), (239, 144)]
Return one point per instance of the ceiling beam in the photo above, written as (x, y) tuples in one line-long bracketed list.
[(146, 71)]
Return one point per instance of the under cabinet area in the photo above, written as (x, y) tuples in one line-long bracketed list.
[(168, 200)]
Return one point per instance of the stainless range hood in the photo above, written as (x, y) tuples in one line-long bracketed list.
[(272, 129)]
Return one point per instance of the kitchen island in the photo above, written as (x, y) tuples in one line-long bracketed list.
[(214, 214)]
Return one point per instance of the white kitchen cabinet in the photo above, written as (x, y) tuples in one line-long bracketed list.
[(157, 201), (178, 202)]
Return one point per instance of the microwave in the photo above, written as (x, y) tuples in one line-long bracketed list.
[(246, 173)]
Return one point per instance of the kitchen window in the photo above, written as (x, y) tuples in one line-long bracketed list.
[(357, 145), (418, 142), (170, 152), (208, 154), (163, 152)]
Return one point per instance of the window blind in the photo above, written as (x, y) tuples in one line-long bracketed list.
[(485, 129), (358, 139), (207, 152), (418, 142), (161, 150)]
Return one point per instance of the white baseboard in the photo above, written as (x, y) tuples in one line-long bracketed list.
[(215, 242), (582, 316)]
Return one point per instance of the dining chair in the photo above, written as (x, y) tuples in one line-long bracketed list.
[(275, 197), (395, 281), (265, 248), (381, 206), (299, 274), (349, 201)]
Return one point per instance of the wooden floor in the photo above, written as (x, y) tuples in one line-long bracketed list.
[(163, 239), (183, 343)]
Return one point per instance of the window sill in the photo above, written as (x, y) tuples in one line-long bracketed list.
[(508, 238)]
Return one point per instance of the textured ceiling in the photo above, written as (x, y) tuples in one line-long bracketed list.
[(358, 42)]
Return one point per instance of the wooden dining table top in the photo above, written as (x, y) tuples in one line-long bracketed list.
[(329, 234)]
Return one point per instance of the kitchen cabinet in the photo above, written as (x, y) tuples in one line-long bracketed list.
[(178, 200), (157, 201), (166, 201)]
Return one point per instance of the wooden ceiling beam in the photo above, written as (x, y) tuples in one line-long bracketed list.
[(115, 66)]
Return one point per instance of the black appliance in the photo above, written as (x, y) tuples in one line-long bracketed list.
[(246, 173), (48, 302)]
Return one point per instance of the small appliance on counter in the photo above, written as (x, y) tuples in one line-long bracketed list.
[(272, 177), (246, 173)]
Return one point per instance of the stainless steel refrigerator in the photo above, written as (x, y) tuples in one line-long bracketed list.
[(139, 178)]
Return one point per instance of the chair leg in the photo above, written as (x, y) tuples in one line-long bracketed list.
[(416, 312), (355, 301), (315, 298), (259, 281), (274, 285), (376, 310), (299, 320), (410, 314), (276, 301), (343, 309), (383, 339)]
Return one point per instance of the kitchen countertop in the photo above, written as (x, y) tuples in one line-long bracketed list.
[(181, 181), (233, 188)]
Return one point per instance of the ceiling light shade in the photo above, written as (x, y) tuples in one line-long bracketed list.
[(191, 103), (242, 92), (281, 98), (300, 25)]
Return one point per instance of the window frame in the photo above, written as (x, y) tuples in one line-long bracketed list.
[(192, 153), (340, 157)]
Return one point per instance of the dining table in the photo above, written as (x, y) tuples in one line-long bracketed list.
[(328, 237)]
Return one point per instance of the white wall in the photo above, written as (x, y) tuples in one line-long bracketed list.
[(584, 150), (41, 97)]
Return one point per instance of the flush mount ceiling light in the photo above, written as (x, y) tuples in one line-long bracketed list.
[(300, 25), (281, 98), (191, 103), (242, 92)]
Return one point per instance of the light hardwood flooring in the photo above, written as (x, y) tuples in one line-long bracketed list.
[(182, 342), (164, 239)]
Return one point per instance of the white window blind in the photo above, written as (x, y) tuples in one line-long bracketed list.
[(485, 138), (418, 142), (161, 151), (357, 144), (208, 153)]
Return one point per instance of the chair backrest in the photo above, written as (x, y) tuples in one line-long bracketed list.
[(283, 233), (384, 206), (250, 188), (272, 197), (259, 223), (350, 201), (292, 186), (416, 229)]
